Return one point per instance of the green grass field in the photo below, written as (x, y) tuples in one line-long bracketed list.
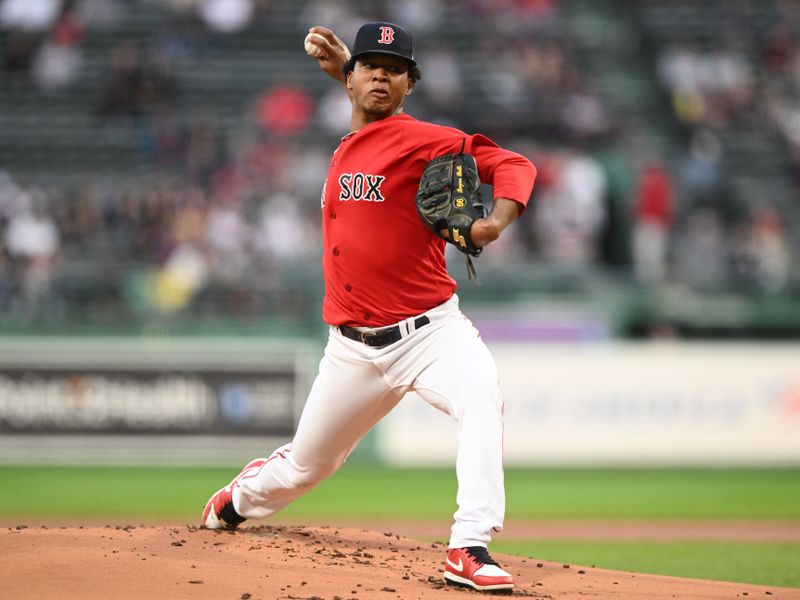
[(765, 563), (358, 491)]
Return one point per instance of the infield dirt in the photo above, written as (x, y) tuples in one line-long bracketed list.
[(287, 562)]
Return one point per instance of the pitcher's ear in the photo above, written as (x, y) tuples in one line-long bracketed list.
[(349, 83)]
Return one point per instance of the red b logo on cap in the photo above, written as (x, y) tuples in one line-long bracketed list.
[(387, 35)]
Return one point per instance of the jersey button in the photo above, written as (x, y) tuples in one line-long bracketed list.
[(336, 252), (348, 288), (333, 215), (367, 316)]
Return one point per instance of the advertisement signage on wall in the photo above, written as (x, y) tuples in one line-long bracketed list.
[(171, 387), (627, 404)]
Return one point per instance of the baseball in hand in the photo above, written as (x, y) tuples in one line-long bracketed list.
[(312, 45)]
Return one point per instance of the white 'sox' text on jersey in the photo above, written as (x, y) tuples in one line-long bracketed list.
[(360, 187)]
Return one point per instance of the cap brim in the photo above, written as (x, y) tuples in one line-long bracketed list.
[(389, 52)]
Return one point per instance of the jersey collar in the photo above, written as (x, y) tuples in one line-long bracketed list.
[(378, 122)]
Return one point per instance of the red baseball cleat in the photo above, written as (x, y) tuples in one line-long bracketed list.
[(473, 568), (219, 512)]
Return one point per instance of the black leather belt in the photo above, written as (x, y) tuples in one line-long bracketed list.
[(381, 337)]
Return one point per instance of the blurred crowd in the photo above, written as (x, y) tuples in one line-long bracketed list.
[(235, 204), (741, 85)]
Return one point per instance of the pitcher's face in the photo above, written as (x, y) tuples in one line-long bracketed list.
[(379, 83)]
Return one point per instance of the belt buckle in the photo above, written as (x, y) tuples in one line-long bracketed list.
[(362, 337)]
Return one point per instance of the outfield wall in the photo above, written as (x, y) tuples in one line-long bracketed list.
[(162, 401), (216, 401), (627, 404)]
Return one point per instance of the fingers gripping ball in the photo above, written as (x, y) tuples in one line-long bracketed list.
[(313, 45), (449, 198)]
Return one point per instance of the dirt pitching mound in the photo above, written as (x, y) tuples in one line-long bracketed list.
[(286, 562)]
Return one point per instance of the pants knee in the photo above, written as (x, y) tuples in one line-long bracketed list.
[(485, 405), (306, 478)]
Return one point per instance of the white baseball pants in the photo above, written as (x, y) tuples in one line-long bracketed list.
[(448, 365)]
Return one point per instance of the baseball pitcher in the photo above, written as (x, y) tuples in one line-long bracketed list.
[(397, 191)]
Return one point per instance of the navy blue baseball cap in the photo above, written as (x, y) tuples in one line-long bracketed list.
[(384, 38)]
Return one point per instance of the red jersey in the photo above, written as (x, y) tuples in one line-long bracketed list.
[(381, 264), (654, 198)]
